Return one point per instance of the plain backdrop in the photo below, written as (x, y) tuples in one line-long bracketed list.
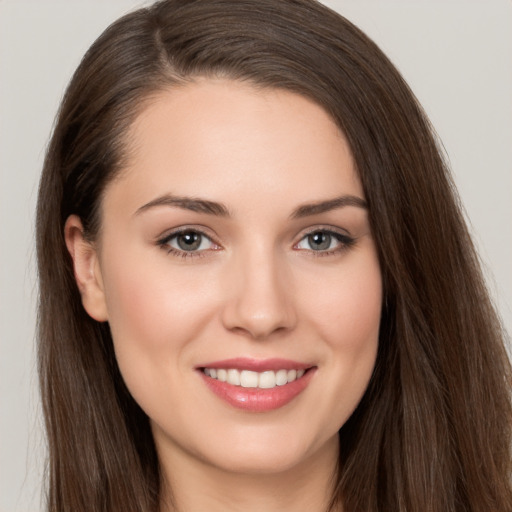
[(455, 54)]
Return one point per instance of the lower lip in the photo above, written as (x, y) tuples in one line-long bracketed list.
[(256, 399)]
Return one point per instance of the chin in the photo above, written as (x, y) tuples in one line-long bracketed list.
[(267, 455)]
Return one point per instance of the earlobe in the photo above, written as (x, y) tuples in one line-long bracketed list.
[(86, 268)]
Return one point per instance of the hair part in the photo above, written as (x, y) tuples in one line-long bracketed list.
[(433, 431)]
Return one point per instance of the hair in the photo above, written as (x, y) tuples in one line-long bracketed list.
[(433, 430)]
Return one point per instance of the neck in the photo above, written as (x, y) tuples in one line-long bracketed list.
[(190, 485)]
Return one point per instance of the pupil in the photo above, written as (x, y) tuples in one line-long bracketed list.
[(319, 241), (189, 241)]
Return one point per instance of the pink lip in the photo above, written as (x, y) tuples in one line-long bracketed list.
[(255, 399)]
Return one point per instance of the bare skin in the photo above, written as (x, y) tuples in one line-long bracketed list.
[(305, 487), (237, 230)]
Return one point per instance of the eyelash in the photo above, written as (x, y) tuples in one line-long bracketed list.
[(164, 243), (345, 242)]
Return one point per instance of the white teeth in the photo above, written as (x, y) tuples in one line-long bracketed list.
[(281, 377), (249, 379), (233, 377), (267, 380)]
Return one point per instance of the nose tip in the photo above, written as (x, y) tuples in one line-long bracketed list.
[(260, 303), (259, 325)]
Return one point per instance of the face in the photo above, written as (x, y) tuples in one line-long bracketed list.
[(236, 268)]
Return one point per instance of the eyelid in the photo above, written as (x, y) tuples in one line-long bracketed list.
[(198, 228), (327, 228)]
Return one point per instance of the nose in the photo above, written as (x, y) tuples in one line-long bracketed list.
[(259, 298)]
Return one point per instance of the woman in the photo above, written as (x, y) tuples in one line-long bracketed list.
[(266, 294)]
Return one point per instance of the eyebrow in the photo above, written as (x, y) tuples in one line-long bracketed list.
[(307, 210), (218, 209), (187, 203)]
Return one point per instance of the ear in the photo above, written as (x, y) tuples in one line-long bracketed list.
[(87, 269)]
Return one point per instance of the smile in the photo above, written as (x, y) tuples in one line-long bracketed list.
[(257, 386), (250, 379)]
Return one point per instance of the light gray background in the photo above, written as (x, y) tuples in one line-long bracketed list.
[(456, 55)]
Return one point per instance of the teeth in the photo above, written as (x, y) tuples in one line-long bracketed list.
[(233, 377), (267, 380), (249, 379), (281, 377)]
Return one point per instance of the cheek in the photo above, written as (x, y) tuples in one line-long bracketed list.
[(153, 315), (149, 304), (347, 318), (346, 311)]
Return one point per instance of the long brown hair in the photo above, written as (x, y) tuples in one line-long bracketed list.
[(433, 431)]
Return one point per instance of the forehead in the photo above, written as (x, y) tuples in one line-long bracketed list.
[(218, 139)]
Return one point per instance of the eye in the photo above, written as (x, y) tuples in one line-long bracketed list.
[(324, 241), (187, 242)]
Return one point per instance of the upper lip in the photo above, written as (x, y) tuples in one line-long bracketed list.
[(257, 365)]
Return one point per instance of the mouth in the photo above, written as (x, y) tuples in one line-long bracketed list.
[(257, 385), (249, 379)]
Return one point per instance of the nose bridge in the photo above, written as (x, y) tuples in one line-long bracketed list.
[(260, 301)]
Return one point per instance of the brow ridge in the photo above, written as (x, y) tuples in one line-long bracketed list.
[(187, 203), (318, 207), (218, 209)]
